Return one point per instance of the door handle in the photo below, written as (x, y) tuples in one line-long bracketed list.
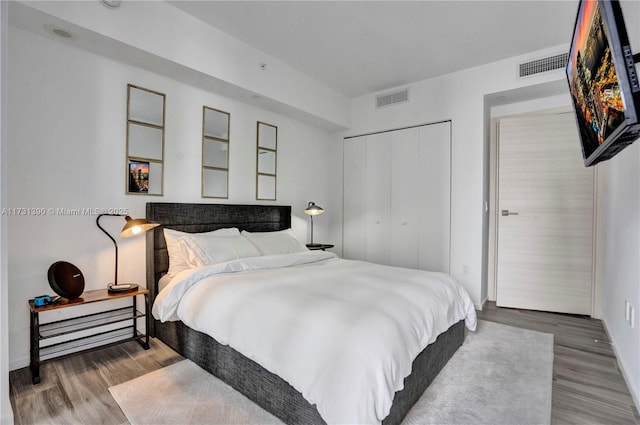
[(507, 212)]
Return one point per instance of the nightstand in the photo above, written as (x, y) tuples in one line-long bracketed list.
[(122, 327), (321, 246)]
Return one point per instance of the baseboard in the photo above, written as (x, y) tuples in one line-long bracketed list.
[(19, 363), (482, 304), (7, 417), (625, 376)]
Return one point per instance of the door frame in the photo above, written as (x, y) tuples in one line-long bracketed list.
[(598, 236)]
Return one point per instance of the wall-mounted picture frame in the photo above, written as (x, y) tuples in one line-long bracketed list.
[(266, 161), (138, 176), (215, 153), (145, 139)]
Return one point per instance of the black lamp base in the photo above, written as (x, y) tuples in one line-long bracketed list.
[(309, 245)]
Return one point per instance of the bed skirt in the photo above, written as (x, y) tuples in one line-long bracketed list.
[(276, 396)]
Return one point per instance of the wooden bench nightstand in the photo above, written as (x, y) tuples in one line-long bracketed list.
[(80, 325)]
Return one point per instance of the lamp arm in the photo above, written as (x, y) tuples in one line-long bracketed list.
[(115, 245)]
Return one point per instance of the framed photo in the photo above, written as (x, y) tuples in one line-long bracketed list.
[(138, 176)]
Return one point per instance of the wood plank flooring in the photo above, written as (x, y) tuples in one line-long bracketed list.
[(587, 385), (75, 390)]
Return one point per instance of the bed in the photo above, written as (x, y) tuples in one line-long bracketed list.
[(267, 389)]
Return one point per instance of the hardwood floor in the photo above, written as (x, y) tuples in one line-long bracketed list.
[(74, 390), (587, 385)]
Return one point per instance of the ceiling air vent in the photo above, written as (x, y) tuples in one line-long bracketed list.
[(392, 98), (543, 65)]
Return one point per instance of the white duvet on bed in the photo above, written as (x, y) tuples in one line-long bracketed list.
[(344, 333)]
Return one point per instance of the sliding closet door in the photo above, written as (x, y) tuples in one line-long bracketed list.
[(434, 197), (355, 178), (405, 183), (377, 190)]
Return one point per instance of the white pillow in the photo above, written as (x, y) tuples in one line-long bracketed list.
[(177, 261), (204, 249), (272, 243)]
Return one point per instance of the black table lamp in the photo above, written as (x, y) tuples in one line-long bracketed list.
[(132, 227), (311, 210)]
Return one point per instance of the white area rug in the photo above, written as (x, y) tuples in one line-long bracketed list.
[(500, 375)]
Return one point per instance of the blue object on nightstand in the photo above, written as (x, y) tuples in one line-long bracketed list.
[(42, 300)]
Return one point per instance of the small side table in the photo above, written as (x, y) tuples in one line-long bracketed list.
[(90, 341), (321, 246)]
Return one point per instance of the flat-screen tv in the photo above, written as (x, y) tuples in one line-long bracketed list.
[(603, 81)]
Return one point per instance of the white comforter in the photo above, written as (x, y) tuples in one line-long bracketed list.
[(344, 333)]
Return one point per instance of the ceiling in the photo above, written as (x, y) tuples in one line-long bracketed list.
[(360, 47)]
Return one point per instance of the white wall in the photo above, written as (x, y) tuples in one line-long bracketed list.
[(6, 413), (66, 149), (622, 259), (160, 37), (622, 240), (66, 119), (459, 97)]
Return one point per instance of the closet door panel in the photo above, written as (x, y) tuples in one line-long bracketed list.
[(355, 182), (377, 193), (397, 198), (434, 198), (405, 182)]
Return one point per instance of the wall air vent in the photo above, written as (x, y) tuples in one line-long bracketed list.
[(539, 66), (392, 98)]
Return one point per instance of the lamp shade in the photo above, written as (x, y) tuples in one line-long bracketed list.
[(136, 226), (131, 228), (313, 209)]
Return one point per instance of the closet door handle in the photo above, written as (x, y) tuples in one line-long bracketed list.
[(507, 212)]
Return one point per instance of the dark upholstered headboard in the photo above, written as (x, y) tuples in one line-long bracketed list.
[(197, 218)]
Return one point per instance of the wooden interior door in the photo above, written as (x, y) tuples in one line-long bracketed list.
[(545, 215)]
